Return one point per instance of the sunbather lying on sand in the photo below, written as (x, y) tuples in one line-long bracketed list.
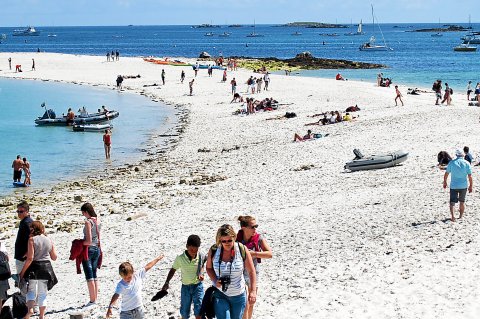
[(287, 115), (309, 136)]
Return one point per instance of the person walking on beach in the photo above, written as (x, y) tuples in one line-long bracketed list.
[(23, 234), (26, 170), (33, 64), (117, 55), (17, 166), (477, 93), (379, 78), (182, 76), (460, 170), (91, 239), (196, 68), (190, 263), (469, 90), (233, 83), (259, 249), (259, 85), (108, 56), (120, 81), (190, 85), (226, 263), (266, 79), (447, 96), (163, 76), (399, 95), (107, 143), (38, 269), (130, 288), (10, 63), (437, 88)]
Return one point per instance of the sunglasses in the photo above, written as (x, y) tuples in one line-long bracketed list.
[(21, 211), (253, 227), (226, 241)]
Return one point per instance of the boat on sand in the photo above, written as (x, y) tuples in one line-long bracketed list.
[(378, 161)]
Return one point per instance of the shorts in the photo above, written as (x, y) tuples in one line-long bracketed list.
[(438, 95), (469, 91), (37, 291), (136, 313), (189, 294), (17, 175), (457, 195), (90, 265)]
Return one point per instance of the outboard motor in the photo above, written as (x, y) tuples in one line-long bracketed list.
[(358, 154)]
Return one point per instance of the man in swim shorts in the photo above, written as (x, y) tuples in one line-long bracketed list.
[(17, 166), (460, 169)]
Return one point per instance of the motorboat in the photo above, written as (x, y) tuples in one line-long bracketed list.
[(49, 118), (209, 34), (224, 34), (438, 34), (297, 33), (29, 31), (361, 162), (465, 47), (92, 127), (472, 39)]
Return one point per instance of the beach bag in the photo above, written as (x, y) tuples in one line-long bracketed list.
[(20, 308), (6, 313), (451, 91), (5, 272)]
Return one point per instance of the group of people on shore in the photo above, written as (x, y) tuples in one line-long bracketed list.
[(447, 96), (333, 117), (113, 56), (475, 91), (232, 264), (20, 165)]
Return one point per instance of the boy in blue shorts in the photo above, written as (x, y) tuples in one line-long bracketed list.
[(130, 288), (190, 263)]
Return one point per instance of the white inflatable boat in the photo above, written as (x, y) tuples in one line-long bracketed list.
[(361, 162)]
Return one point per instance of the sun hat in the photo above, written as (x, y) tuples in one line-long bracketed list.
[(459, 153)]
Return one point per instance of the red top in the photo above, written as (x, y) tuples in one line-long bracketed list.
[(106, 139)]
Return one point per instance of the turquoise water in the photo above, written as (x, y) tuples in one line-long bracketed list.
[(58, 153)]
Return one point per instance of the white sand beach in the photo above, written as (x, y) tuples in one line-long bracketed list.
[(369, 244)]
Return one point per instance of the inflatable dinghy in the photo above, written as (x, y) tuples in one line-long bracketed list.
[(378, 161)]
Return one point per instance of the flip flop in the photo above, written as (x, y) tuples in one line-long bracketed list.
[(160, 295)]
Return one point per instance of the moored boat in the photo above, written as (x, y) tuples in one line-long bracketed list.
[(49, 118), (205, 66), (465, 47), (92, 127), (378, 161), (29, 31)]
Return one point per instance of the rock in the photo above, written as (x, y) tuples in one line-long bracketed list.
[(204, 55), (77, 198), (136, 216), (137, 169)]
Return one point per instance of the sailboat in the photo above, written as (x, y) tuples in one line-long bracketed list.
[(359, 30), (253, 34), (438, 34), (370, 45)]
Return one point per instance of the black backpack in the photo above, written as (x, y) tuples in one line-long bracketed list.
[(5, 272), (6, 313), (20, 308)]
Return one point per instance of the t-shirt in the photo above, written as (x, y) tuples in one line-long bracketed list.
[(469, 158), (188, 268), (459, 169), (234, 269), (131, 292), (21, 243)]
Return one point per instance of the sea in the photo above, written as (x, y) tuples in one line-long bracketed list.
[(56, 153)]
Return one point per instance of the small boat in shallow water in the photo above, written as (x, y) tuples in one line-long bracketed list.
[(92, 127), (378, 161), (49, 118)]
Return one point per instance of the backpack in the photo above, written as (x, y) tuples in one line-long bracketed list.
[(435, 86), (5, 272), (241, 247), (20, 308), (6, 313), (451, 91)]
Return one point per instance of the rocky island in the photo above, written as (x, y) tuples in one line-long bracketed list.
[(302, 61), (319, 25)]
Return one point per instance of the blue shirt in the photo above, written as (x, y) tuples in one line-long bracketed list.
[(469, 158), (459, 169)]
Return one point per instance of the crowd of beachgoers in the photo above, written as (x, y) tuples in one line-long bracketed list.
[(223, 166)]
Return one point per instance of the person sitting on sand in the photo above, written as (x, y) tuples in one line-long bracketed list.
[(237, 98), (347, 117), (299, 138), (443, 159), (352, 109), (339, 77)]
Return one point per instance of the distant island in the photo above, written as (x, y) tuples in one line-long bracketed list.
[(205, 25), (449, 28), (313, 25), (302, 61), (235, 26)]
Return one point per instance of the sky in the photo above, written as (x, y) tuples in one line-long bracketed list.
[(15, 13)]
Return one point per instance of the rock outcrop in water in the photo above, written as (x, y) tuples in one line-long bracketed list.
[(303, 61)]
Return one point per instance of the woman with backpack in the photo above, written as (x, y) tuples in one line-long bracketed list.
[(38, 268), (226, 263), (259, 249), (91, 241)]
